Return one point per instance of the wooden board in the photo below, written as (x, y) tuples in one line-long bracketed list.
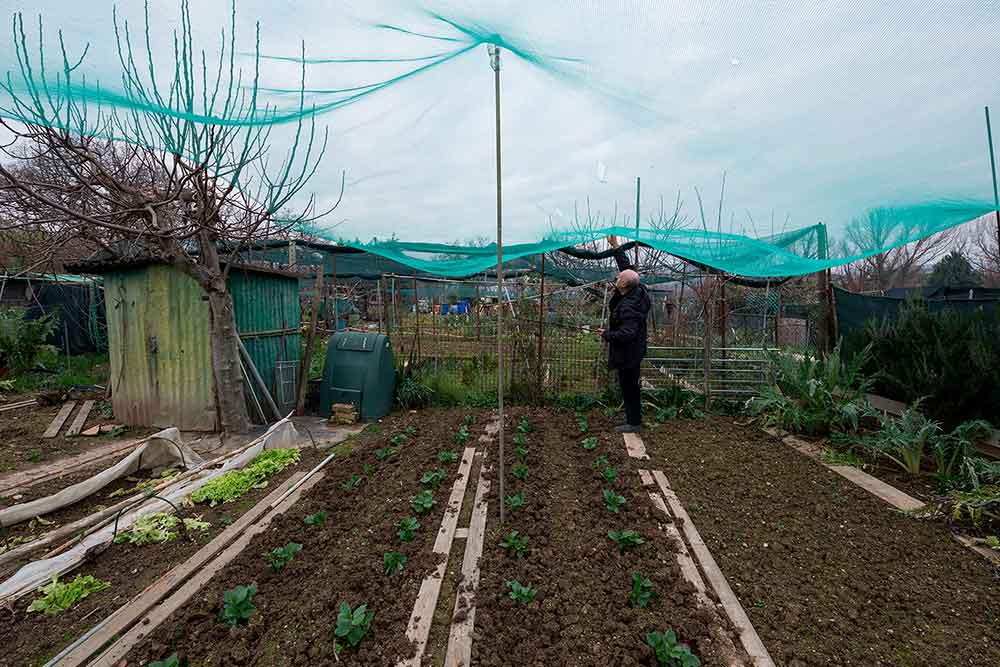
[(748, 635), (688, 567), (634, 445), (419, 627), (135, 614), (459, 653), (57, 423), (80, 419)]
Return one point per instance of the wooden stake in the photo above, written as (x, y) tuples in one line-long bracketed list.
[(300, 400)]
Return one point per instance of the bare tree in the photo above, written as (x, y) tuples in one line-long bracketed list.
[(895, 267), (176, 168)]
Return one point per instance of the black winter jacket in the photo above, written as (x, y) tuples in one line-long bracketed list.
[(626, 332)]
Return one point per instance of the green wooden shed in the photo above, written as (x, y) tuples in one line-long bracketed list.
[(158, 340)]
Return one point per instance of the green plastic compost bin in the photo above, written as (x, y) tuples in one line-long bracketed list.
[(360, 370)]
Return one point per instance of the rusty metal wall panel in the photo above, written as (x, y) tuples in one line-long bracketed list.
[(268, 317), (158, 337)]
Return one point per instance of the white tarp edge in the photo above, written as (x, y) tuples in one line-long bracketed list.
[(38, 573), (161, 449)]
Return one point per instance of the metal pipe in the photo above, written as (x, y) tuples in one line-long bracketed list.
[(993, 168), (495, 64)]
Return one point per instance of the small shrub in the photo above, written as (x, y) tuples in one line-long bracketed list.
[(317, 519), (58, 596), (642, 591), (22, 340), (625, 539), (393, 562), (515, 543), (352, 626), (279, 557), (613, 501), (519, 592), (237, 605), (669, 653), (407, 528), (422, 502)]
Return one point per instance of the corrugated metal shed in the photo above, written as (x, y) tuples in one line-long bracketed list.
[(161, 365), (268, 317), (158, 335)]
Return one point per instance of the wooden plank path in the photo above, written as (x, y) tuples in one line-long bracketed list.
[(60, 419), (80, 419)]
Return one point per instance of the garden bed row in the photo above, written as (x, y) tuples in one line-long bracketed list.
[(828, 574)]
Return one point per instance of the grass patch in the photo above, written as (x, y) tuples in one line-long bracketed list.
[(834, 458)]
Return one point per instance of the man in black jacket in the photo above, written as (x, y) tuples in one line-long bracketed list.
[(626, 336)]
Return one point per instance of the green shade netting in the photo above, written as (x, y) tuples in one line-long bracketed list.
[(793, 253)]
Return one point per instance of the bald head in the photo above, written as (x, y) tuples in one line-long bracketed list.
[(627, 281)]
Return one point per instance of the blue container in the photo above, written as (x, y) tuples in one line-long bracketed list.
[(444, 309)]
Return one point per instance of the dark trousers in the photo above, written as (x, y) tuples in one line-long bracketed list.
[(628, 378)]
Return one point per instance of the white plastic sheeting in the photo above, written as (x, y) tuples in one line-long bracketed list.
[(40, 572), (160, 450)]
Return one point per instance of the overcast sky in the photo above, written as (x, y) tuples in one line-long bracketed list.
[(814, 110)]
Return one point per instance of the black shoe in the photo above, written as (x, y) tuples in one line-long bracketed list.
[(629, 428)]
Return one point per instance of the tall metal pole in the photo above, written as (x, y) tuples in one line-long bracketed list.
[(993, 168), (638, 183), (494, 52), (541, 333)]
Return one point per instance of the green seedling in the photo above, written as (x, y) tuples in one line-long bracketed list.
[(610, 475), (520, 471), (522, 453), (516, 543), (393, 562), (590, 443), (581, 422), (352, 483), (410, 431), (469, 420), (367, 469), (422, 502), (352, 626), (432, 479), (519, 592), (237, 605), (172, 661), (398, 439), (58, 596), (520, 439), (383, 453), (463, 435), (524, 426), (516, 501), (280, 557), (447, 457), (642, 591), (669, 653), (316, 519), (407, 527), (625, 539), (613, 501), (601, 461)]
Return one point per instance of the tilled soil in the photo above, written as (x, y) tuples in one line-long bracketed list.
[(580, 615), (31, 639), (341, 561), (828, 574)]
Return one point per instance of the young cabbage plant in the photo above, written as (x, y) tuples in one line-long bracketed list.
[(422, 502), (589, 443), (520, 471), (519, 592), (612, 500), (316, 519), (393, 562), (610, 475), (626, 539), (432, 479), (407, 528), (642, 591), (515, 543), (352, 483), (462, 436), (352, 626), (447, 457), (280, 557), (516, 501), (670, 653), (237, 605)]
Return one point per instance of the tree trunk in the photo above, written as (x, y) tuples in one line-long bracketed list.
[(226, 373)]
